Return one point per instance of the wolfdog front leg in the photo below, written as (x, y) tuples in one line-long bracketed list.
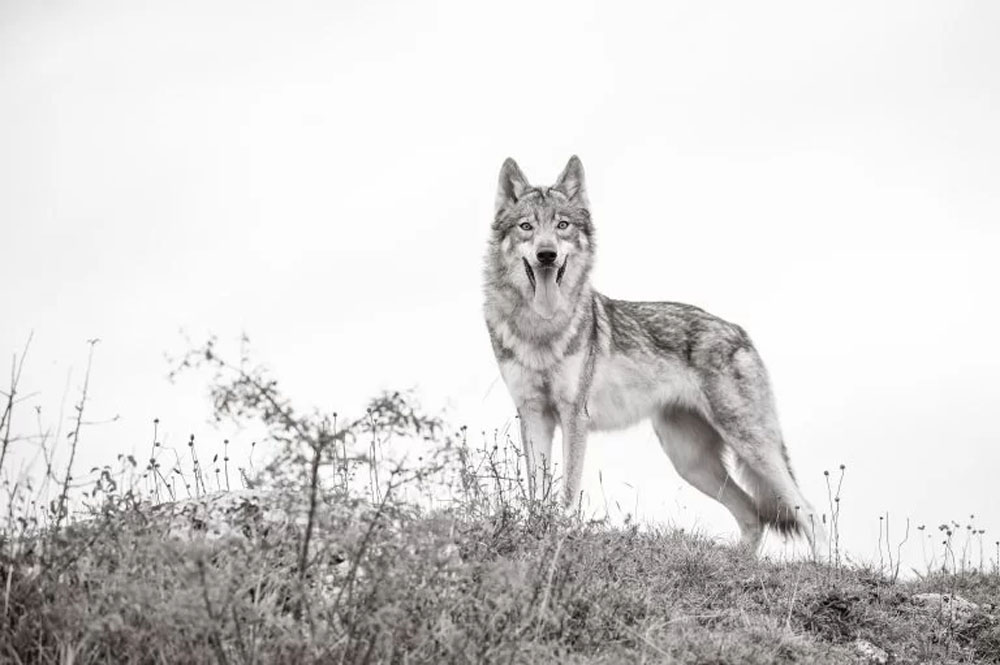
[(537, 427), (574, 441)]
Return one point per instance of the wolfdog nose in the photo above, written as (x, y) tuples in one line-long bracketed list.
[(546, 257)]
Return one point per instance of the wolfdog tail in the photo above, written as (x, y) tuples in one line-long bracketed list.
[(780, 505)]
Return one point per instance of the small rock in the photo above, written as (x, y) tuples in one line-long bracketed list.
[(870, 652), (953, 607), (219, 516)]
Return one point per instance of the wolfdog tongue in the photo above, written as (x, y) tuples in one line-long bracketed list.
[(548, 297)]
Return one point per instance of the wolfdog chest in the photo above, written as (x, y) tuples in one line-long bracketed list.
[(610, 387), (611, 390)]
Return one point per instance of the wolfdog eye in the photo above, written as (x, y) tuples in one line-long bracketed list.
[(562, 225), (526, 226)]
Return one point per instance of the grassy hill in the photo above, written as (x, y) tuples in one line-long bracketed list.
[(334, 554), (222, 580)]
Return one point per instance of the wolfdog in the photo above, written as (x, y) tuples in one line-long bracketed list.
[(573, 357)]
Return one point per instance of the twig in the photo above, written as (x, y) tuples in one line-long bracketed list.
[(543, 606), (313, 492), (791, 603), (899, 550), (349, 580), (215, 640), (75, 438), (225, 460), (15, 378), (240, 643)]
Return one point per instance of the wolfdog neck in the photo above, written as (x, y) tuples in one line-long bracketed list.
[(518, 331)]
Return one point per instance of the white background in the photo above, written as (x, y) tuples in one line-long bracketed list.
[(321, 176)]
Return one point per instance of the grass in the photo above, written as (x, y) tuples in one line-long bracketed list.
[(333, 553)]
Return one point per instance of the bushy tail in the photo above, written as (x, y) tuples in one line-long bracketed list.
[(779, 502)]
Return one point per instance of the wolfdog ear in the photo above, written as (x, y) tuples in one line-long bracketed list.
[(571, 182), (512, 183)]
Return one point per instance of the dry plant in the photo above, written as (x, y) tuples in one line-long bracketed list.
[(337, 549)]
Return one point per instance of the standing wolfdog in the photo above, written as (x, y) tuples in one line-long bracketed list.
[(573, 357)]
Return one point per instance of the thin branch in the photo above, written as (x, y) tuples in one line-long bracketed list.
[(214, 638), (75, 438), (16, 368), (313, 491)]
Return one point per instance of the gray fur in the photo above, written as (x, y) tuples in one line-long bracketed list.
[(574, 358)]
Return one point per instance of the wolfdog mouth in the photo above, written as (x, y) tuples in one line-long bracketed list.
[(561, 271), (531, 273)]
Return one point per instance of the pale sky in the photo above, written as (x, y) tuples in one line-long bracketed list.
[(322, 175)]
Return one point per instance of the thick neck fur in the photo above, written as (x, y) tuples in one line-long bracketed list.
[(533, 340)]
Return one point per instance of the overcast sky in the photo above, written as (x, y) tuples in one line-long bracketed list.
[(321, 176)]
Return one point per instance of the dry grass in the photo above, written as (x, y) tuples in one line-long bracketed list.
[(330, 559)]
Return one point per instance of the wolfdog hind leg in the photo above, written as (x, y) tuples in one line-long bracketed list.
[(695, 449), (537, 428), (742, 410)]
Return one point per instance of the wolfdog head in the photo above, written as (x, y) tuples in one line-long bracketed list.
[(542, 245)]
